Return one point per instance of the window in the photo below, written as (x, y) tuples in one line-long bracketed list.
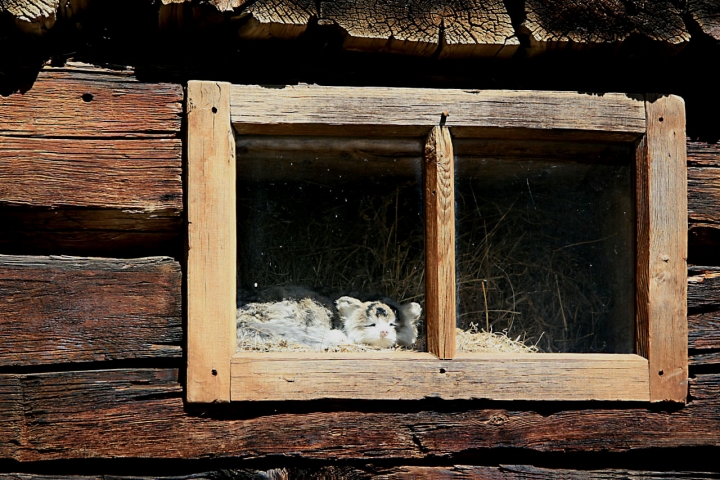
[(634, 144)]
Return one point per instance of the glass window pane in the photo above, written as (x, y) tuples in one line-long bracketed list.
[(323, 218), (545, 243)]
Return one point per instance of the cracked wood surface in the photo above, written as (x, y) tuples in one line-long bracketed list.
[(66, 309), (399, 472), (140, 413), (97, 158), (448, 28), (706, 13), (418, 27), (603, 21)]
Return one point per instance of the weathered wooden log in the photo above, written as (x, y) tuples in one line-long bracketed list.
[(704, 289), (704, 182), (706, 13), (416, 27), (31, 16), (106, 173), (268, 19), (525, 472), (343, 472), (704, 314), (67, 309), (97, 158), (139, 413), (89, 103), (90, 232), (11, 417), (704, 202), (567, 23)]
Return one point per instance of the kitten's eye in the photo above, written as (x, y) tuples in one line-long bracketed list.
[(371, 325), (393, 325)]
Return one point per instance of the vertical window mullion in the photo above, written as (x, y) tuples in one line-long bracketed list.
[(440, 303)]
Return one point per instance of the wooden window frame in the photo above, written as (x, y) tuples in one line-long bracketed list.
[(653, 124)]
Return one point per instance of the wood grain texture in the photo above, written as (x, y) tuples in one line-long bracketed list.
[(398, 472), (212, 242), (602, 21), (704, 311), (706, 13), (312, 109), (440, 301), (29, 10), (528, 472), (73, 103), (67, 309), (463, 27), (269, 377), (704, 183), (103, 173), (642, 248), (94, 232), (269, 19), (12, 418), (666, 223), (140, 414)]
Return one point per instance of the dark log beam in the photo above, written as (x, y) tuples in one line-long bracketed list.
[(91, 164), (140, 414), (706, 13), (552, 24), (66, 310)]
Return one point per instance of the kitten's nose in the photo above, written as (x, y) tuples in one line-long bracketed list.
[(384, 333)]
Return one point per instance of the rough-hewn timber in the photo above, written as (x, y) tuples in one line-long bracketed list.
[(140, 413), (704, 182), (73, 103), (66, 309), (267, 19), (369, 471), (91, 164), (104, 173), (707, 15), (91, 232), (571, 23), (417, 27)]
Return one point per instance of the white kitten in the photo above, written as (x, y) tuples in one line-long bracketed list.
[(378, 323), (307, 321)]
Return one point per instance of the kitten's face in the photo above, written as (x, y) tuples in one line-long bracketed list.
[(371, 323)]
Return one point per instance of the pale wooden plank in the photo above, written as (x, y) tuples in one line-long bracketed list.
[(667, 254), (413, 376), (211, 261), (312, 109), (440, 302)]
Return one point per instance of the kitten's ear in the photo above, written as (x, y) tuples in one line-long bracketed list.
[(410, 312), (347, 306)]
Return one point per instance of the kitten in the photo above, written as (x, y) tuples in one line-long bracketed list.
[(379, 324), (309, 320)]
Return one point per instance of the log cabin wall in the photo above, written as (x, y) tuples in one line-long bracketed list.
[(91, 244)]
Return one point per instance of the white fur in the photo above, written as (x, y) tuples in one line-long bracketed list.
[(301, 321), (371, 323), (309, 323)]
